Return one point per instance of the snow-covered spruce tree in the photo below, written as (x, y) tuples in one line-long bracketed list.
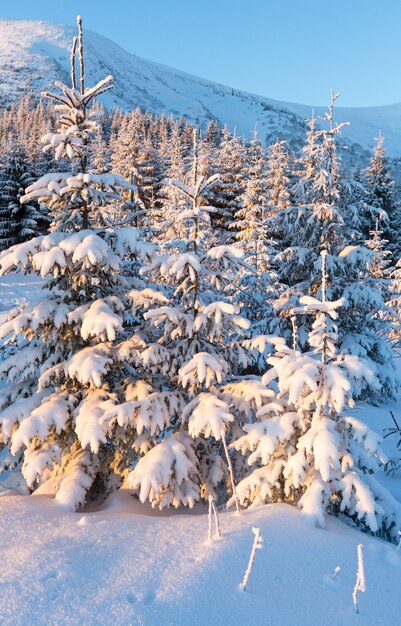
[(207, 164), (230, 164), (316, 221), (380, 185), (21, 125), (360, 212), (147, 174), (312, 222), (250, 219), (213, 133), (195, 348), (394, 301), (277, 177), (71, 195), (256, 286), (7, 222), (40, 123), (161, 131), (171, 230), (311, 150), (18, 222), (322, 219), (385, 322), (74, 353), (124, 142), (365, 319), (302, 448), (98, 149), (380, 265)]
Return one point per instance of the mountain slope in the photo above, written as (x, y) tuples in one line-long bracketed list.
[(34, 54)]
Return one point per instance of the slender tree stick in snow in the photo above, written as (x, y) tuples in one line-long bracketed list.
[(210, 518), (330, 116), (72, 60), (230, 469), (399, 544), (196, 158), (360, 578), (257, 544), (216, 520), (324, 283), (81, 56), (323, 254), (212, 509), (294, 332)]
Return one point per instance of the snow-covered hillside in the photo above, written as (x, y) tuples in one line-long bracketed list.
[(33, 54)]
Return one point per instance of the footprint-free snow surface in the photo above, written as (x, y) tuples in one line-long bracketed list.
[(126, 564)]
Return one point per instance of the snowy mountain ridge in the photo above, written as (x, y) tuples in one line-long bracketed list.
[(35, 53)]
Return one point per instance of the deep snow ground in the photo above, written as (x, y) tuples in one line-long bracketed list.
[(126, 564)]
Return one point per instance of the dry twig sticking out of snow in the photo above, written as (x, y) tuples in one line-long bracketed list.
[(213, 511), (360, 578), (257, 544)]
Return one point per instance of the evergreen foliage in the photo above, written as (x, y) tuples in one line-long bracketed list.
[(18, 222), (380, 187)]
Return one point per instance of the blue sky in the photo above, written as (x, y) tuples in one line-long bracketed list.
[(293, 50)]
